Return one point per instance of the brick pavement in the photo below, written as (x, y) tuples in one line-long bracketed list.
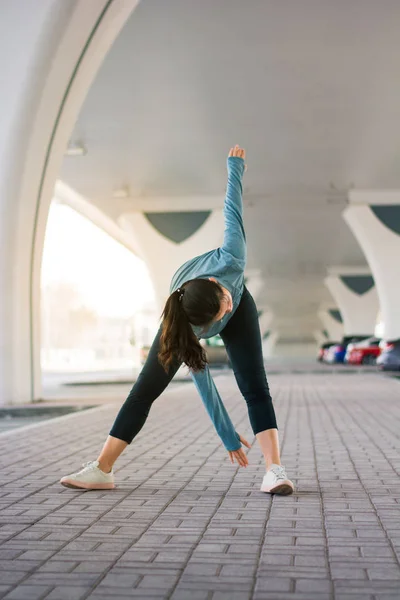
[(184, 524)]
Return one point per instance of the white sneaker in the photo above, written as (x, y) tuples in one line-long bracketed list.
[(90, 477), (276, 481)]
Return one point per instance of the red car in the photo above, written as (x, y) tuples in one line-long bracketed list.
[(363, 353)]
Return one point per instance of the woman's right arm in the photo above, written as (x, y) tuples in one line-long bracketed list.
[(215, 407)]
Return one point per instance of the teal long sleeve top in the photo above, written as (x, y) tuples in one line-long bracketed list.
[(227, 265)]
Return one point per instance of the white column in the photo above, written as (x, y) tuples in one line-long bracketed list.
[(164, 256), (269, 343), (319, 337), (268, 335), (49, 57), (266, 319), (332, 322), (354, 291), (374, 218)]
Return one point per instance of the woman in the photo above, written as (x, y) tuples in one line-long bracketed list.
[(208, 296)]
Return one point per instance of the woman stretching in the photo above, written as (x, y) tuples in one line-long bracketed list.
[(208, 297)]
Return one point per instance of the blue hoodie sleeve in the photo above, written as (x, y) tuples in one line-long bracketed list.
[(234, 235), (212, 401)]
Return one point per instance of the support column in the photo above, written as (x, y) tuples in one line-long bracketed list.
[(332, 322), (374, 218), (319, 337), (355, 293), (270, 339), (167, 240), (266, 318), (268, 335)]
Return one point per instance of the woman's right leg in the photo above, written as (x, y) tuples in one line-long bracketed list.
[(150, 384)]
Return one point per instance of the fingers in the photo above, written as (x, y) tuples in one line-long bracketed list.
[(238, 152), (240, 457)]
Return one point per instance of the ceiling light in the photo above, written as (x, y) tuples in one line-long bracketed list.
[(122, 192), (75, 149)]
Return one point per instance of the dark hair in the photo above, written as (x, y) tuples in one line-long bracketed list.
[(196, 302)]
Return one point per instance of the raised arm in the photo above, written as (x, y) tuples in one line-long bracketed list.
[(234, 235)]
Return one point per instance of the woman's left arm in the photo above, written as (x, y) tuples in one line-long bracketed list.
[(234, 235)]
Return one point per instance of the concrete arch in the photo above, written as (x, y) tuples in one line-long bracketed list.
[(64, 194), (86, 30)]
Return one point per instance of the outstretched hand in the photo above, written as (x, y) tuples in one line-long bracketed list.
[(239, 455), (239, 153)]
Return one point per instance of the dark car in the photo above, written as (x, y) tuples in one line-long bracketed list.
[(389, 359)]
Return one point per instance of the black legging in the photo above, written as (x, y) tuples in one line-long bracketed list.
[(242, 340)]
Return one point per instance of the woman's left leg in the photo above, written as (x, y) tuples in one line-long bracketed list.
[(242, 340)]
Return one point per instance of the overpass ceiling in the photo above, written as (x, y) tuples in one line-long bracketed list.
[(310, 87)]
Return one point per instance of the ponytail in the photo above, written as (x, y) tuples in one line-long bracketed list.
[(195, 303)]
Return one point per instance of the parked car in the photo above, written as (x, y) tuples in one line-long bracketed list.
[(363, 353), (214, 347), (389, 359), (337, 352), (323, 350)]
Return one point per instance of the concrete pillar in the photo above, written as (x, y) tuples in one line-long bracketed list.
[(269, 341), (374, 218), (49, 57), (167, 240), (354, 291), (332, 322), (266, 319), (319, 337), (268, 335)]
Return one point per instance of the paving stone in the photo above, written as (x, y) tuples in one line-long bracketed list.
[(273, 584), (28, 592), (65, 593), (120, 580), (184, 524), (36, 554), (260, 595), (313, 585), (11, 577), (19, 565), (91, 566), (384, 572), (183, 594), (57, 566), (157, 581)]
